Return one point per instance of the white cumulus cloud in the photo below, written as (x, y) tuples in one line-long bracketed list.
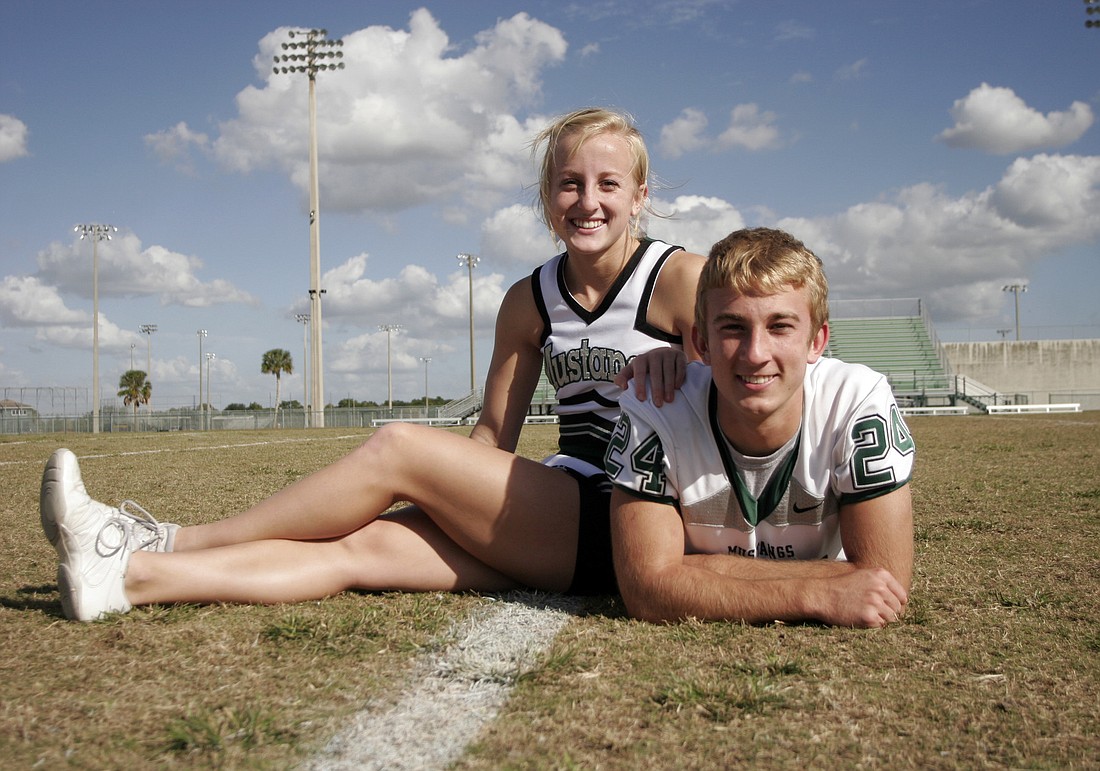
[(410, 120), (111, 337), (128, 269), (13, 138), (749, 128), (956, 252), (515, 236), (853, 71), (996, 120), (173, 145), (27, 302), (422, 302), (693, 222)]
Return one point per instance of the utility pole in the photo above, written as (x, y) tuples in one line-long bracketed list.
[(1016, 289), (209, 358), (309, 56), (97, 233), (470, 261), (202, 409), (149, 329), (427, 360), (303, 319), (389, 329)]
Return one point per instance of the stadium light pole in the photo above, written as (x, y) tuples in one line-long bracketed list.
[(312, 54), (202, 411), (1016, 289), (97, 233), (303, 319), (470, 261), (149, 329), (209, 358), (1091, 7), (427, 360), (389, 329)]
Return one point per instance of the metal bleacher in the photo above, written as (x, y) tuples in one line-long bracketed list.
[(896, 338), (464, 409)]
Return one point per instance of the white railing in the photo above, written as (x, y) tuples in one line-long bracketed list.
[(1004, 409), (968, 386), (376, 422), (957, 410)]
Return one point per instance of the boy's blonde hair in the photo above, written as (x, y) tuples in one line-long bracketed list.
[(759, 262)]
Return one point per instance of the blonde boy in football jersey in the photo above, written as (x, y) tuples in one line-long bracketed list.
[(775, 485)]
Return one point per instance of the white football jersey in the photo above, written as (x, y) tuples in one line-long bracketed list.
[(853, 445)]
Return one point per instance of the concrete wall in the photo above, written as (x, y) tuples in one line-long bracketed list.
[(1044, 370)]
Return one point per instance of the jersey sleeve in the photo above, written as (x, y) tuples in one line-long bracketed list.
[(635, 460), (876, 451)]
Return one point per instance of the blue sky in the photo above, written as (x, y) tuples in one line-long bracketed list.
[(937, 150)]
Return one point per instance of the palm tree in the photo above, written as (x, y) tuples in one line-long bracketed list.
[(276, 362), (134, 389)]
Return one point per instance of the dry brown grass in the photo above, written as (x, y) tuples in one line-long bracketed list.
[(995, 665)]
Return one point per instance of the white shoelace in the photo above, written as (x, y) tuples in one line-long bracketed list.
[(124, 522)]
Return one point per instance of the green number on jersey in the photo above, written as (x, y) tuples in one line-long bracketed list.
[(647, 460), (902, 439), (872, 439), (616, 446)]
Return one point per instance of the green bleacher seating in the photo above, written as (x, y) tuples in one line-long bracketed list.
[(902, 348)]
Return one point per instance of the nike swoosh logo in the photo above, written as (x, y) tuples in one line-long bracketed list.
[(800, 510)]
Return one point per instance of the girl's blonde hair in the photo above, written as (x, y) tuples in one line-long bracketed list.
[(586, 124)]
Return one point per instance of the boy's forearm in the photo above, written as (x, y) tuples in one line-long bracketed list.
[(694, 591), (831, 592), (748, 568)]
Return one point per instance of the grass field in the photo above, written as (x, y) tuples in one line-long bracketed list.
[(996, 664)]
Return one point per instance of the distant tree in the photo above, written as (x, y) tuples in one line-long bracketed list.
[(276, 362), (134, 389), (350, 403), (291, 404), (255, 406)]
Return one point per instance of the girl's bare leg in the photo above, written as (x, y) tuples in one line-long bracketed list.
[(512, 514), (403, 551)]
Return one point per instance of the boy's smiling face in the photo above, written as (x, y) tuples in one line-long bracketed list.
[(758, 348)]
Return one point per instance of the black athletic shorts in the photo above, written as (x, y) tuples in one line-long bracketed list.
[(595, 571)]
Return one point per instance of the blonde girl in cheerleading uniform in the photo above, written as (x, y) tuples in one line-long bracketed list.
[(775, 485), (584, 350), (479, 517)]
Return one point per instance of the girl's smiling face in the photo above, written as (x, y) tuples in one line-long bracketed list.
[(593, 194)]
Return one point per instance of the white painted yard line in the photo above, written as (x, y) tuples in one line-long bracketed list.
[(453, 694), (264, 443), (160, 450)]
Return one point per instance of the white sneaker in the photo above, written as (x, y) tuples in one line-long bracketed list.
[(92, 584), (94, 541), (63, 487), (145, 532)]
